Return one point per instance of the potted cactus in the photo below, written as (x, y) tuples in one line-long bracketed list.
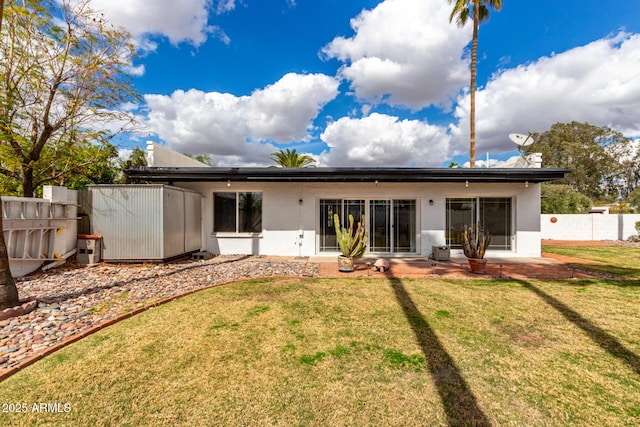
[(475, 242), (352, 242)]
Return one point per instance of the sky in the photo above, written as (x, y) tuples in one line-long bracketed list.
[(365, 83)]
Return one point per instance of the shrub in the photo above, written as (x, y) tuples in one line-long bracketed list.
[(562, 199)]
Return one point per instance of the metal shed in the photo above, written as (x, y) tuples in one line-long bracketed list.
[(145, 222)]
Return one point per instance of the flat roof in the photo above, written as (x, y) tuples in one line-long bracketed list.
[(325, 174)]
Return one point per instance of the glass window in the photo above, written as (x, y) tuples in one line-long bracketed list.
[(459, 213), (404, 220), (392, 224), (250, 212), (494, 214), (224, 212), (328, 241), (327, 230), (237, 212), (380, 225)]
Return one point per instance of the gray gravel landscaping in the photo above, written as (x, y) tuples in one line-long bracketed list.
[(73, 300)]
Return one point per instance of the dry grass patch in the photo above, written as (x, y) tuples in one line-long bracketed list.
[(355, 352)]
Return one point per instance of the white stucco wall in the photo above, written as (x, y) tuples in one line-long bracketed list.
[(285, 218)]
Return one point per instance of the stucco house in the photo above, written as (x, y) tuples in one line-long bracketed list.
[(288, 211)]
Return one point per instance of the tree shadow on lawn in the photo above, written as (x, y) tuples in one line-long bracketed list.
[(629, 273), (460, 404), (605, 340)]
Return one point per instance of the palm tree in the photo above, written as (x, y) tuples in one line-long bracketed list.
[(291, 159), (478, 11)]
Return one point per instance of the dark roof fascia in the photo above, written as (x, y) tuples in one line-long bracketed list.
[(323, 174)]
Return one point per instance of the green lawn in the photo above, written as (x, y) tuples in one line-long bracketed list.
[(330, 352), (617, 260)]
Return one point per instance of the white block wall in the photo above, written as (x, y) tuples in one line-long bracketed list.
[(588, 226)]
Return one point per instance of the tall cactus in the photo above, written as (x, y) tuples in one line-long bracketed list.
[(475, 241), (352, 242)]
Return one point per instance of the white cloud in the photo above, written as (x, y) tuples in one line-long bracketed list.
[(597, 83), (404, 53), (225, 6), (124, 154), (383, 140), (237, 130), (180, 21), (136, 70)]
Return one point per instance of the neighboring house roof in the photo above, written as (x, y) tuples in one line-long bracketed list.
[(161, 156), (324, 174)]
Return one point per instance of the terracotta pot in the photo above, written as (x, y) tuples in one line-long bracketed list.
[(477, 265), (345, 264)]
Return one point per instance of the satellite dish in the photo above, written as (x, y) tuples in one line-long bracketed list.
[(520, 139)]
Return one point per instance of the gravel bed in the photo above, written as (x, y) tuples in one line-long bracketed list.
[(627, 243), (72, 300)]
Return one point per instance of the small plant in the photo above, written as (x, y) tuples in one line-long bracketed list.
[(638, 227), (475, 241), (352, 242)]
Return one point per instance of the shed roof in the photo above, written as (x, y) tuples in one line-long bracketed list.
[(325, 174)]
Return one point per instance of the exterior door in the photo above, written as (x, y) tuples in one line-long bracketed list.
[(344, 208), (392, 226)]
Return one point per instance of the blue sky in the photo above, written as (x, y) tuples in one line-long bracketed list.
[(374, 83)]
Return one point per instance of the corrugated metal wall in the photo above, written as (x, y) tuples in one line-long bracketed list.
[(142, 222)]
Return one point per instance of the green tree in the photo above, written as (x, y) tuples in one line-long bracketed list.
[(592, 154), (562, 199), (202, 158), (65, 75), (291, 159), (8, 289), (629, 176), (477, 10), (136, 159), (620, 208), (634, 199), (93, 164)]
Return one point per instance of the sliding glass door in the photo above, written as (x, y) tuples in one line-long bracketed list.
[(494, 214), (380, 226), (404, 225), (392, 224), (344, 208), (460, 212)]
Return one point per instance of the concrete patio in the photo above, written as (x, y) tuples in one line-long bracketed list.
[(547, 267)]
